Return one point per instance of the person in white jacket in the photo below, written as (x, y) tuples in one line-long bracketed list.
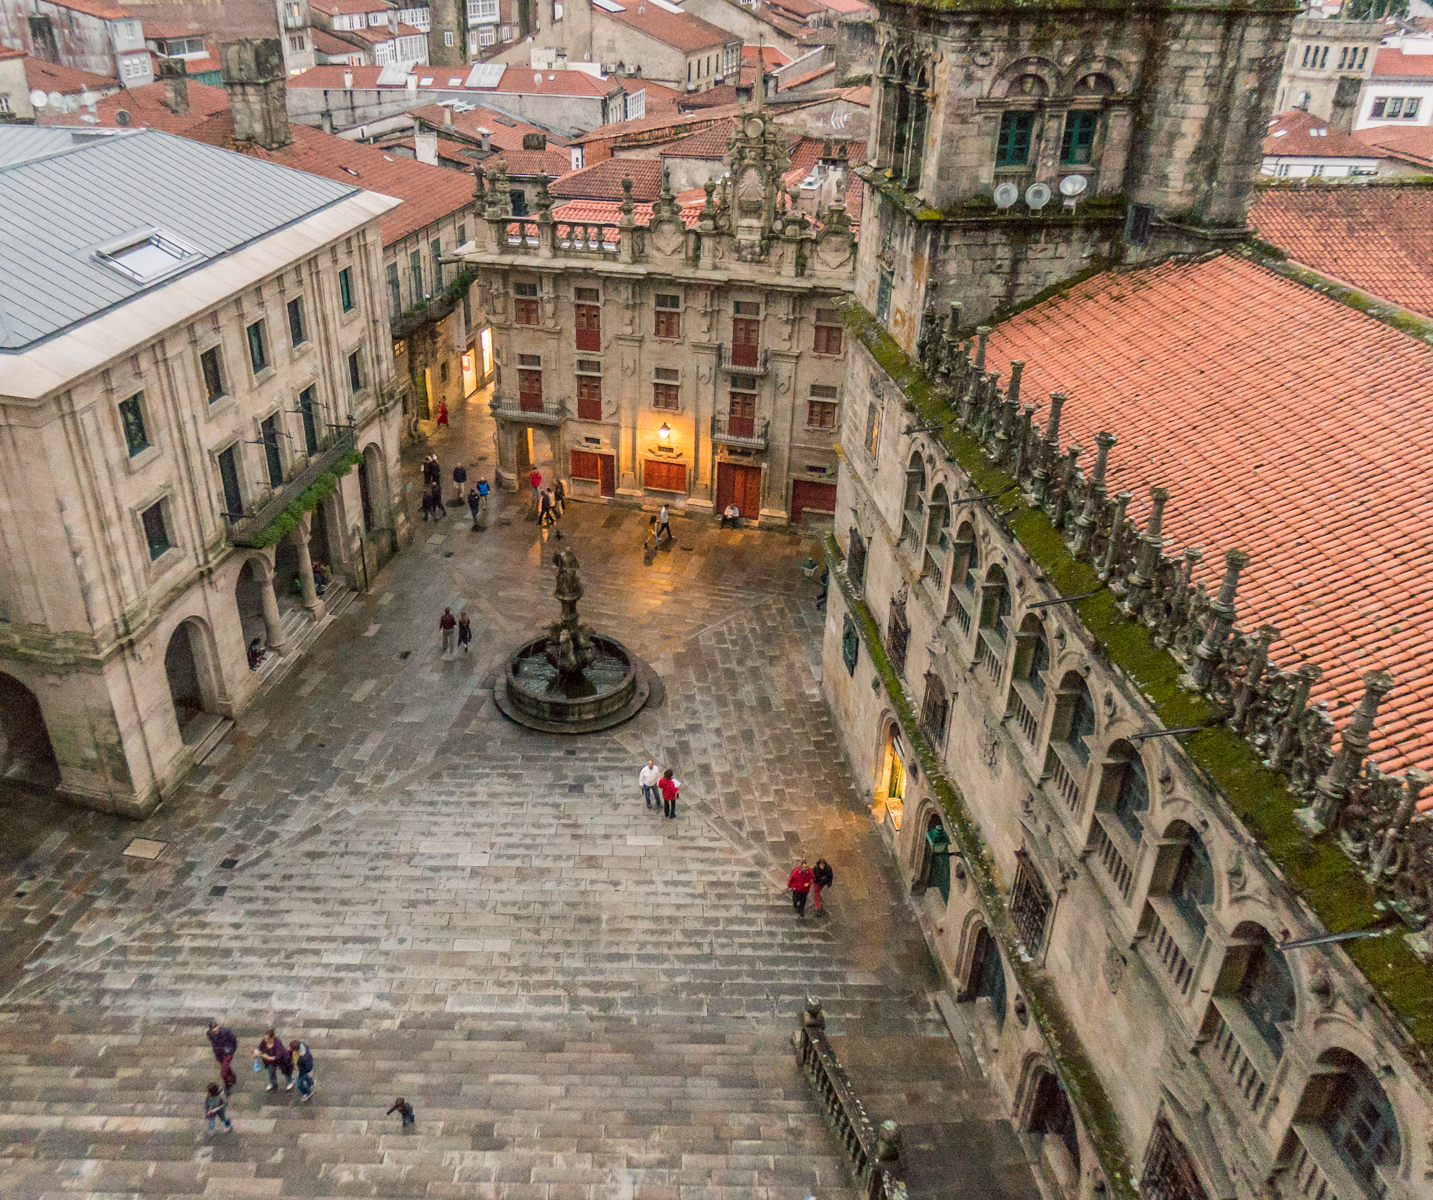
[(647, 778)]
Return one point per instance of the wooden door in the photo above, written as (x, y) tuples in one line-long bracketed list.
[(745, 334), (607, 466), (589, 326), (740, 485), (741, 414), (806, 494), (529, 391)]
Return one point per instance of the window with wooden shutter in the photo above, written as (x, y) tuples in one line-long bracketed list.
[(663, 476), (585, 465), (589, 397)]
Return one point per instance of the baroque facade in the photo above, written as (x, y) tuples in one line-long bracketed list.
[(1011, 664), (692, 366), (213, 411)]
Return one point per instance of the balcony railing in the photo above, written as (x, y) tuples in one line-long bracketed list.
[(579, 239), (243, 530), (526, 406), (741, 360), (740, 431)]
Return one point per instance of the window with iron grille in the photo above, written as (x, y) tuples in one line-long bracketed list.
[(898, 635), (1029, 907), (935, 709), (1168, 1171)]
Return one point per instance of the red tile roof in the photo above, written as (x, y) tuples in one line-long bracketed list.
[(552, 163), (1414, 145), (95, 8), (609, 212), (325, 43), (847, 7), (7, 53), (770, 55), (147, 108), (1374, 237), (664, 121), (1286, 425), (504, 132), (713, 142), (1391, 62), (1298, 134), (603, 181), (336, 8), (51, 77), (681, 30), (805, 77), (514, 79), (551, 83)]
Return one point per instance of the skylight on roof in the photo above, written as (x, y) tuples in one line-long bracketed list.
[(146, 256)]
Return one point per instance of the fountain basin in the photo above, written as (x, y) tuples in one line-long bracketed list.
[(531, 691)]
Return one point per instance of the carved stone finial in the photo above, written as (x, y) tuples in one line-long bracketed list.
[(1332, 789), (1221, 622)]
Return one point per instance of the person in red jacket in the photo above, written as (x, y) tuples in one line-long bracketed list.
[(669, 787), (799, 883)]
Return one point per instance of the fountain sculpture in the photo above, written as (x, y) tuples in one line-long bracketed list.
[(570, 680)]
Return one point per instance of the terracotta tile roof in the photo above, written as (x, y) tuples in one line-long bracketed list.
[(1413, 145), (1286, 425), (680, 30), (146, 108), (1298, 134), (95, 8), (325, 43), (610, 212), (1391, 62), (712, 142), (770, 55), (603, 181), (713, 97), (505, 132), (800, 9), (330, 76), (848, 7), (335, 8), (1374, 237), (552, 83), (805, 77), (643, 125), (514, 79), (51, 77), (856, 95), (7, 53), (552, 163)]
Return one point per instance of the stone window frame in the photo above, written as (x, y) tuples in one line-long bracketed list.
[(234, 442), (1309, 1152), (162, 495), (1174, 946), (656, 382), (1118, 851), (936, 540), (913, 505), (906, 104), (151, 450), (1063, 775), (1028, 688), (961, 597), (214, 344)]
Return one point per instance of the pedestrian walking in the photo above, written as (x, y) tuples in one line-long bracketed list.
[(651, 537), (430, 511), (559, 496), (475, 502), (821, 877), (465, 636), (647, 779), (460, 477), (216, 1108), (225, 1046), (535, 478), (482, 492), (404, 1110), (669, 788), (302, 1058), (443, 413), (446, 623), (799, 883), (272, 1055), (664, 523), (431, 472)]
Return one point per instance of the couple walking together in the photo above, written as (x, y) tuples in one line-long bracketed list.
[(802, 879), (659, 787)]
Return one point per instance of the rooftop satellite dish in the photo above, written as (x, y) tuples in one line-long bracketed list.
[(72, 103), (38, 98), (1037, 195), (121, 117), (57, 101), (1073, 185), (537, 77), (88, 98), (1006, 195)]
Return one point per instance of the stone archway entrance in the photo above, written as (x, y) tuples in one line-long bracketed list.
[(26, 756), (258, 607), (189, 670)]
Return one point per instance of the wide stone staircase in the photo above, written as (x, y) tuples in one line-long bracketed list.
[(651, 1108)]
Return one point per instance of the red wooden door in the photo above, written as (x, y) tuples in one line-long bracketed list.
[(589, 326), (529, 391), (589, 398), (818, 496), (745, 334), (740, 485), (741, 414), (607, 465)]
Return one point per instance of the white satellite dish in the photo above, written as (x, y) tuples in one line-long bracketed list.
[(1037, 195), (57, 101), (72, 103), (1073, 185), (88, 98), (38, 98), (1006, 195)]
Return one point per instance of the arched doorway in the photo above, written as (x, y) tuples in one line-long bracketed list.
[(987, 976), (1053, 1121), (249, 599), (188, 668), (891, 778), (288, 586), (936, 868), (26, 756)]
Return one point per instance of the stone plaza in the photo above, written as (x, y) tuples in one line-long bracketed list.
[(579, 997)]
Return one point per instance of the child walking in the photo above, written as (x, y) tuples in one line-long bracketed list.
[(216, 1106), (404, 1110)]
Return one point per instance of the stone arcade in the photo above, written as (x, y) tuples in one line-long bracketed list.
[(189, 385)]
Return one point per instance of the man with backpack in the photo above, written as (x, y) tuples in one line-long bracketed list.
[(302, 1058), (225, 1046)]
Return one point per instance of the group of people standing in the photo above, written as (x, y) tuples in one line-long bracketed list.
[(548, 502), (659, 788), (294, 1061), (434, 509)]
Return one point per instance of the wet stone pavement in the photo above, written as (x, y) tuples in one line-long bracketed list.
[(580, 997)]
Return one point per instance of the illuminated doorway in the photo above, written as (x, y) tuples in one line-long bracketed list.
[(470, 372), (891, 788), (485, 347)]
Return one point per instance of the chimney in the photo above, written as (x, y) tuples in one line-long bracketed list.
[(486, 142), (256, 81), (348, 80), (175, 74), (447, 115), (425, 148), (534, 141)]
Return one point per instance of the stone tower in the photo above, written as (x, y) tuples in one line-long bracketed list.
[(447, 33), (1013, 146), (257, 83)]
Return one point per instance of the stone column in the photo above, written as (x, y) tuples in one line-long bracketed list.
[(1332, 790), (1221, 622), (1309, 674), (1414, 781), (1117, 526), (273, 622), (310, 591), (1151, 544), (982, 332), (1094, 496), (1268, 635)]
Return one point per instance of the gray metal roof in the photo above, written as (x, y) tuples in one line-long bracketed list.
[(61, 199)]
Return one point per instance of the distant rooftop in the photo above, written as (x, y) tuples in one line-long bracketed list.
[(95, 220)]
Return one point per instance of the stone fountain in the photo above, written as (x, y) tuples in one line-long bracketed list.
[(571, 680)]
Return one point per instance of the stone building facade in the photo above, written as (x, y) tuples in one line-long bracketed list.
[(1154, 120), (1327, 67), (219, 412), (658, 363)]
